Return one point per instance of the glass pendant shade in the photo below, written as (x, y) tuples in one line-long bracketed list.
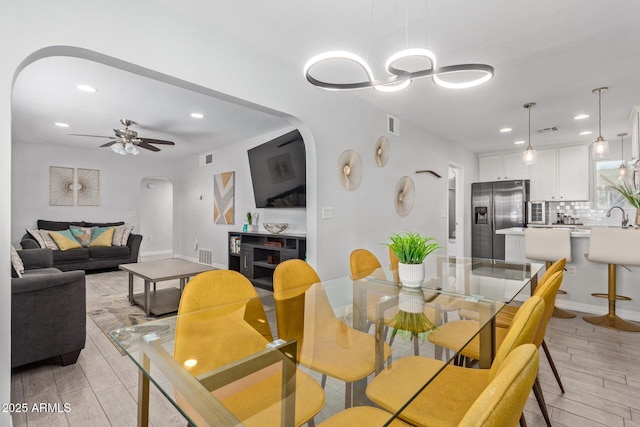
[(622, 170), (529, 156), (600, 148)]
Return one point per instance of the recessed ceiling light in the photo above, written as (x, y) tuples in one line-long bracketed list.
[(62, 125), (581, 117), (519, 142), (586, 132), (87, 88), (505, 130), (197, 115)]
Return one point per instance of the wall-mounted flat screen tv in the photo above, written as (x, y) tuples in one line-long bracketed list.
[(279, 172)]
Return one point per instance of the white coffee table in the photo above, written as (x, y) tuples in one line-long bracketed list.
[(162, 301)]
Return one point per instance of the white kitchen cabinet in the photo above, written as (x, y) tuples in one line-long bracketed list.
[(502, 167), (561, 174), (573, 173)]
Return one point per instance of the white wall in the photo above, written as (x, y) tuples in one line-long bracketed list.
[(120, 178), (192, 50)]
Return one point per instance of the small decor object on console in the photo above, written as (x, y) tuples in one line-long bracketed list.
[(275, 227)]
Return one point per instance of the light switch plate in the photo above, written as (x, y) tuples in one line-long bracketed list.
[(327, 213)]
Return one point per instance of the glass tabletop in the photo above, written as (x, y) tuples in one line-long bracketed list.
[(221, 366)]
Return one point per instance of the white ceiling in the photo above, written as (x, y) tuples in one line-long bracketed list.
[(545, 51)]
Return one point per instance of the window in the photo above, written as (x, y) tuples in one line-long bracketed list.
[(605, 196)]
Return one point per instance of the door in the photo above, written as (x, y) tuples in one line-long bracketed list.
[(481, 220)]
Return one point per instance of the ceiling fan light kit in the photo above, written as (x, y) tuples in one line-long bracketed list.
[(127, 141)]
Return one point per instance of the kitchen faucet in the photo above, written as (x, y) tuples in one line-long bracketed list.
[(625, 217)]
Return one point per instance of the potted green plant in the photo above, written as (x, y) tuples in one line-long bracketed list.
[(629, 193), (412, 249), (252, 221)]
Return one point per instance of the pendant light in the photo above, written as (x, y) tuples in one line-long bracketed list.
[(529, 156), (601, 145), (622, 170)]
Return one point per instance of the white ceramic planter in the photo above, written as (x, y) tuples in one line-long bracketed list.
[(411, 275)]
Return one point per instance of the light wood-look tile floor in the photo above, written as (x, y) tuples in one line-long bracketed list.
[(599, 369)]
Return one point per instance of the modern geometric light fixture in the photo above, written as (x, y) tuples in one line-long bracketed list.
[(529, 156), (622, 170), (601, 145), (397, 78)]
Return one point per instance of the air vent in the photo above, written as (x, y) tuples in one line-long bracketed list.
[(205, 159), (205, 256), (548, 130), (393, 125)]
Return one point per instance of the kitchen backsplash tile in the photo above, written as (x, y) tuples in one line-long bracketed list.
[(584, 214)]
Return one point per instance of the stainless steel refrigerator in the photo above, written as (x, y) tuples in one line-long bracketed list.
[(494, 206)]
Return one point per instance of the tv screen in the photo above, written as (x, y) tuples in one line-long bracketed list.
[(279, 172)]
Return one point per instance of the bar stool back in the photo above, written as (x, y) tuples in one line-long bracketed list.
[(549, 245), (613, 246)]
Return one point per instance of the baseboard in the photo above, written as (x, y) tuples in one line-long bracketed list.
[(596, 309), (154, 253)]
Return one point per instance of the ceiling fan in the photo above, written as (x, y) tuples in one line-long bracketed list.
[(127, 141)]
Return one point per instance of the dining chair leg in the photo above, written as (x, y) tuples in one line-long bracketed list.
[(323, 381), (553, 366), (537, 391), (416, 346), (312, 423), (347, 395), (523, 422)]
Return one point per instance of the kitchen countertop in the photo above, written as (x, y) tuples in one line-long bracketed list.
[(577, 231)]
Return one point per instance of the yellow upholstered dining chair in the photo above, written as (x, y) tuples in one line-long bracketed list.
[(325, 343), (499, 405), (455, 334), (446, 399), (221, 321), (363, 263)]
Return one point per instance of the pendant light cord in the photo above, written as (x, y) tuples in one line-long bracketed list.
[(529, 108), (600, 112)]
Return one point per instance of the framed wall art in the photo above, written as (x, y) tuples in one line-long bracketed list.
[(60, 186), (223, 198), (88, 187)]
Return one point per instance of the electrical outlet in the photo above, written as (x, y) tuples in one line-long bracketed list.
[(516, 243), (571, 270), (327, 213)]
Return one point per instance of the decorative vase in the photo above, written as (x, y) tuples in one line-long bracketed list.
[(253, 227), (411, 275)]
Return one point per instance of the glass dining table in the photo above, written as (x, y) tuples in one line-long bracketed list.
[(233, 349)]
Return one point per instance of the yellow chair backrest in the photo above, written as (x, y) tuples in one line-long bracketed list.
[(553, 269), (363, 263), (291, 279), (522, 330), (548, 292), (503, 400), (219, 309)]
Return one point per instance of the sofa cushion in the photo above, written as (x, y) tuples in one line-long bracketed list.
[(121, 235), (81, 254), (101, 236), (82, 234), (43, 238), (109, 252), (57, 225), (37, 237), (36, 271), (65, 240), (16, 262), (102, 224)]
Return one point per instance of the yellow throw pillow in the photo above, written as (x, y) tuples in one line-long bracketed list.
[(101, 236), (64, 239)]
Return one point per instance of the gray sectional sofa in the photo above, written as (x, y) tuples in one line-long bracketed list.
[(48, 311), (90, 258)]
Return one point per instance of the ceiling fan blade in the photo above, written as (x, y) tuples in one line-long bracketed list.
[(145, 145), (108, 144), (156, 141), (92, 136)]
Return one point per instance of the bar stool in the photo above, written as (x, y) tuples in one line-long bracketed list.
[(549, 245), (613, 246)]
